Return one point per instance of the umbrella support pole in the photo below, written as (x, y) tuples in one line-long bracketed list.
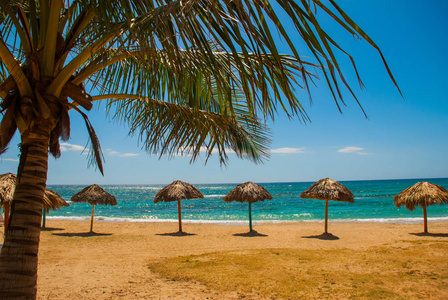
[(180, 215), (425, 220), (326, 216), (6, 209), (91, 218), (43, 218), (250, 217)]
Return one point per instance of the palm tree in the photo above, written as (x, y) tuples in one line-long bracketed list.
[(185, 76)]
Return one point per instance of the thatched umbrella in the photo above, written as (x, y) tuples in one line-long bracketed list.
[(94, 195), (7, 187), (248, 192), (177, 191), (328, 189), (52, 200), (422, 194)]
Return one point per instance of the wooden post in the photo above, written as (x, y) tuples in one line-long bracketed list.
[(250, 217), (6, 209), (180, 215), (91, 218), (326, 216), (425, 219), (43, 217)]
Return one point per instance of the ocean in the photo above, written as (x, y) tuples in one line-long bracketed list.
[(373, 203)]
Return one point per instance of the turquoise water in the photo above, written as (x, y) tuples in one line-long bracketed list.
[(373, 202)]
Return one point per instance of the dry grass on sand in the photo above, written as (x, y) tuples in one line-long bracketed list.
[(416, 271)]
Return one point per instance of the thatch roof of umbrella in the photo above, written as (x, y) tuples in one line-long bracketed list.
[(248, 192), (8, 185), (94, 195), (53, 200), (328, 189), (421, 194), (177, 190)]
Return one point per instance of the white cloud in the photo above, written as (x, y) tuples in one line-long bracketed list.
[(355, 150), (128, 154), (111, 152), (215, 150), (10, 159), (71, 147), (287, 150)]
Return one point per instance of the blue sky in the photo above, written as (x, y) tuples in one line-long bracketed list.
[(402, 137)]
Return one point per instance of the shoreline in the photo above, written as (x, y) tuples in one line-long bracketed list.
[(415, 220)]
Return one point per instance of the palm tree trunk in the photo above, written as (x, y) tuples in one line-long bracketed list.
[(18, 258)]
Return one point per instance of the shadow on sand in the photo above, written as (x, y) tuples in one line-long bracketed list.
[(323, 236), (178, 233), (430, 234), (251, 233), (82, 234), (51, 229)]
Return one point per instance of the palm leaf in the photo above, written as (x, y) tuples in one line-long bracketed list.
[(239, 29), (213, 58), (150, 74), (229, 25), (7, 126), (95, 156), (170, 129)]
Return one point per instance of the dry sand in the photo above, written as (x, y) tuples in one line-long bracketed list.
[(112, 263)]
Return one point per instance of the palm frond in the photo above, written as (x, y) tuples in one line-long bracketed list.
[(150, 74), (13, 66), (243, 29), (95, 156), (169, 129), (221, 60), (8, 126)]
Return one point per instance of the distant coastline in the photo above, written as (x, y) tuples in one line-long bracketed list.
[(236, 183)]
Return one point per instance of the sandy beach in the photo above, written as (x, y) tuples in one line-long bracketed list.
[(113, 262)]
